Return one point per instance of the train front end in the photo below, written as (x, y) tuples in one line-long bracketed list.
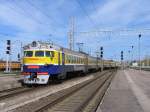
[(36, 63)]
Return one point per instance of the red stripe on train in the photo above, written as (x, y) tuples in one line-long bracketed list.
[(42, 73), (33, 66)]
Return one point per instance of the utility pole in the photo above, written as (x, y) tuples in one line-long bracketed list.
[(80, 46), (129, 59), (139, 52), (132, 55), (8, 53), (71, 34), (97, 58)]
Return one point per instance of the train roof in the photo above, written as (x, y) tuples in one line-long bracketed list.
[(51, 46)]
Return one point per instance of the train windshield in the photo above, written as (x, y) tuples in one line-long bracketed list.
[(28, 53), (49, 53), (39, 53)]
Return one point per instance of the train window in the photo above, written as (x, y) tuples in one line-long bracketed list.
[(68, 59), (75, 59), (39, 53), (28, 53), (72, 58), (49, 53)]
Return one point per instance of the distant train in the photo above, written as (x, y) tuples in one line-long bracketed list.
[(43, 62), (15, 65)]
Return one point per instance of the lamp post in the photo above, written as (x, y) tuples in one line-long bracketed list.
[(139, 52), (80, 46), (129, 59), (132, 55)]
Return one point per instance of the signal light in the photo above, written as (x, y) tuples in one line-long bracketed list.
[(101, 56), (18, 56), (8, 42), (101, 48), (8, 48), (7, 52)]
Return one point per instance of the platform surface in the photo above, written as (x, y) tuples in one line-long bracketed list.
[(128, 92), (8, 81)]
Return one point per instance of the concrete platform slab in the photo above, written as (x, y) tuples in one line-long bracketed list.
[(129, 92), (9, 81)]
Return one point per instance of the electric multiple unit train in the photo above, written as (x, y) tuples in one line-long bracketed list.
[(44, 61)]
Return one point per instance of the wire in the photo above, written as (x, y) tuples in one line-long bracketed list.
[(30, 15), (90, 19), (48, 16), (120, 30), (25, 13), (92, 2)]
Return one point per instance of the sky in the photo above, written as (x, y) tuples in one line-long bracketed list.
[(113, 24)]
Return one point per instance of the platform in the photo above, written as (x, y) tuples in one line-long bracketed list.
[(8, 81), (128, 92)]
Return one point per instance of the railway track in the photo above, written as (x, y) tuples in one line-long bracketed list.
[(82, 97), (18, 90), (12, 92)]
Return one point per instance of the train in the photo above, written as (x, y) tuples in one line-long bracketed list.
[(44, 62), (14, 65)]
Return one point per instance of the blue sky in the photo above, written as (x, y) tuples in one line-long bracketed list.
[(28, 20)]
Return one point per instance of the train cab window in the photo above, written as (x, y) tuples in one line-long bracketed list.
[(39, 53), (28, 53), (49, 53)]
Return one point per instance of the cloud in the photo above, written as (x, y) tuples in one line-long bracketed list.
[(29, 20)]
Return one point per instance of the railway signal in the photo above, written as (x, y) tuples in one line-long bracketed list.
[(18, 57), (8, 52), (101, 55), (8, 47), (121, 55), (122, 59)]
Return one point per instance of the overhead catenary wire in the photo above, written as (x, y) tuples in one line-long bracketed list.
[(85, 12), (93, 5), (45, 14), (118, 31), (23, 12)]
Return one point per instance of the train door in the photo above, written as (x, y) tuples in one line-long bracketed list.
[(63, 73), (63, 58), (58, 58), (86, 63)]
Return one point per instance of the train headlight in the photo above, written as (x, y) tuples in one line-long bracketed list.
[(34, 44)]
